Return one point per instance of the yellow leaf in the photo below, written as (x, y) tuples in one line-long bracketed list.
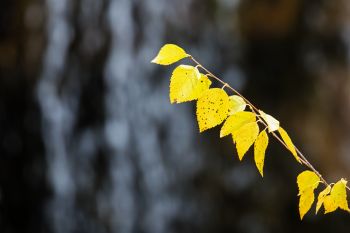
[(187, 84), (321, 197), (339, 193), (237, 104), (289, 143), (202, 86), (329, 204), (169, 54), (236, 121), (305, 202), (260, 146), (212, 108), (245, 137), (307, 182), (272, 123), (337, 198)]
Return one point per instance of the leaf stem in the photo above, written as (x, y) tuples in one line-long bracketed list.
[(303, 159)]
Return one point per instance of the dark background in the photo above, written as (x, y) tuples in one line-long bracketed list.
[(90, 143)]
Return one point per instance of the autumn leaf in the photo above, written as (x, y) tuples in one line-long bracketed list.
[(260, 146), (272, 123), (339, 194), (187, 84), (236, 121), (169, 54), (237, 104), (307, 182), (202, 86), (244, 138), (329, 204), (212, 108), (289, 143), (305, 202), (321, 197), (337, 198)]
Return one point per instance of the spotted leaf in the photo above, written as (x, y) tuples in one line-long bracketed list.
[(212, 108), (260, 146)]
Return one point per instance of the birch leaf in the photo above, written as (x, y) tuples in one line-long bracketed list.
[(289, 143), (321, 197), (187, 84), (237, 104), (169, 54), (260, 146), (307, 182), (236, 121), (337, 198), (212, 108), (272, 123), (305, 202), (245, 137), (339, 194), (329, 204)]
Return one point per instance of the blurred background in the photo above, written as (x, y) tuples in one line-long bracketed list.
[(90, 143)]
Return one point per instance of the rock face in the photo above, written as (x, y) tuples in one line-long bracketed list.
[(90, 142)]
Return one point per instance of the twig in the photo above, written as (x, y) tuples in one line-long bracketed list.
[(256, 111)]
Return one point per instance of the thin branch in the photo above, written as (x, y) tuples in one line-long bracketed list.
[(256, 111)]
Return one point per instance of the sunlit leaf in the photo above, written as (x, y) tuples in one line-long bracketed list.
[(212, 108), (237, 104), (337, 198), (289, 143), (321, 197), (272, 123), (339, 193), (187, 84), (260, 146), (329, 204), (305, 202), (169, 54), (244, 138), (307, 182), (236, 121)]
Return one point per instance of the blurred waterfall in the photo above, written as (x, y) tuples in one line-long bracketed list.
[(58, 111), (145, 164), (135, 109)]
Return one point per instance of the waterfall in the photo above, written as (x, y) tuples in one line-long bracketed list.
[(58, 111), (135, 109), (144, 163)]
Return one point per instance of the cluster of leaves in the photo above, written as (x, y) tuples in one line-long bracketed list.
[(246, 124), (331, 197)]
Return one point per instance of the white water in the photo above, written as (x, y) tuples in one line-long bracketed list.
[(143, 168)]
